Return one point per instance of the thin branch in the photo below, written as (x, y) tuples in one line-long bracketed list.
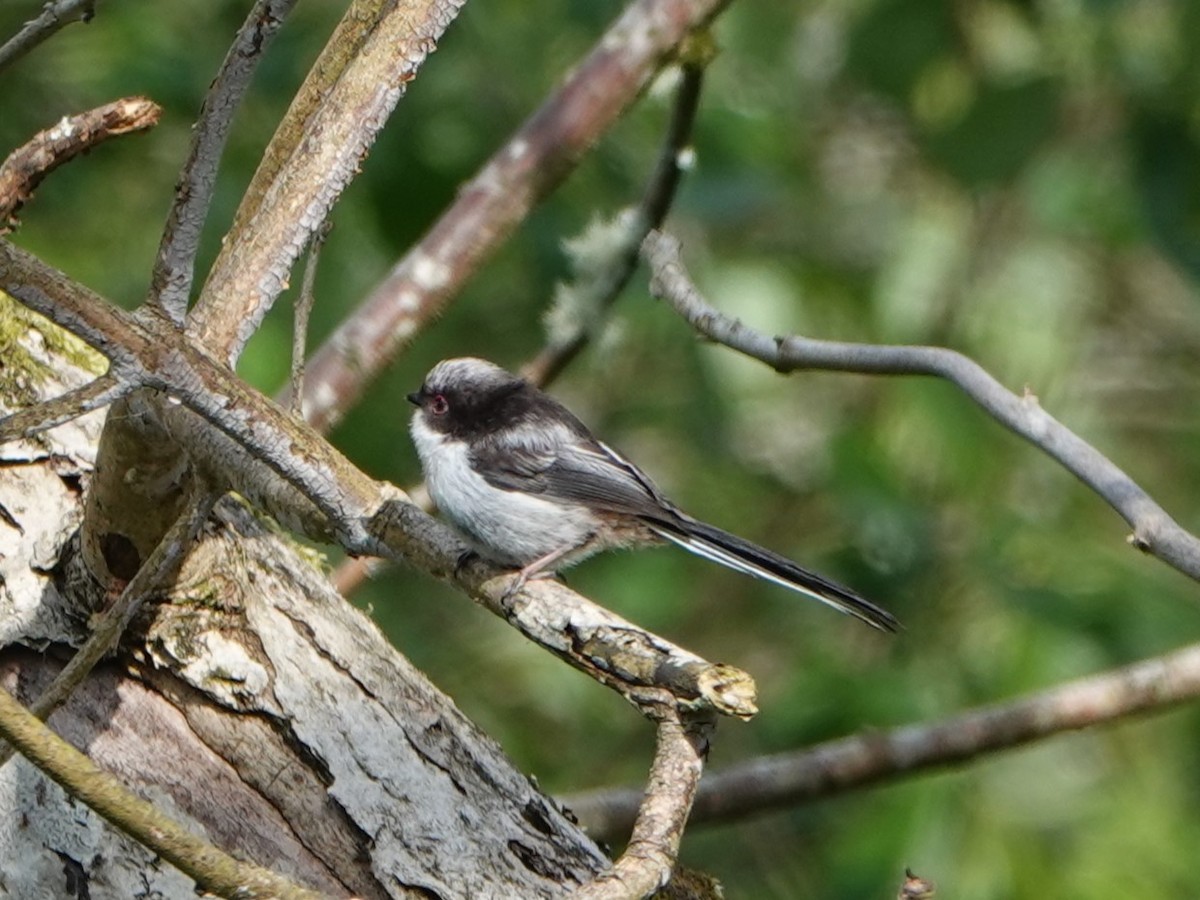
[(69, 305), (598, 294), (249, 274), (171, 282), (54, 15), (486, 210), (788, 779), (350, 574), (1154, 531), (212, 869), (28, 165), (646, 865), (155, 574), (25, 423), (325, 497), (301, 311)]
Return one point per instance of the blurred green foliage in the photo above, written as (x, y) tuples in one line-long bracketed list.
[(1017, 180)]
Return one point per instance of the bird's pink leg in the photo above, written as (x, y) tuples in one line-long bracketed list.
[(539, 568)]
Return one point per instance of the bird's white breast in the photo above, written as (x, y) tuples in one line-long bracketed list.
[(508, 527)]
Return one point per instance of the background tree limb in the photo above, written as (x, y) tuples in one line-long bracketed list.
[(833, 767)]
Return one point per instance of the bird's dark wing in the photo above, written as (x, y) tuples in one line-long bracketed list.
[(575, 468), (570, 469)]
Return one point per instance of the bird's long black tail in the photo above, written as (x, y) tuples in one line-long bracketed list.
[(743, 556)]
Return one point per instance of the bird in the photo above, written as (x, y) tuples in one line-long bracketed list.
[(531, 488)]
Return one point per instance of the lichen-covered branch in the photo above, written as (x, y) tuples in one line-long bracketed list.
[(591, 296)]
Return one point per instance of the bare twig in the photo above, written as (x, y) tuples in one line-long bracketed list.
[(54, 15), (171, 282), (249, 274), (33, 420), (657, 197), (348, 575), (155, 574), (301, 311), (1154, 531), (649, 859), (787, 779), (28, 165), (211, 869), (535, 160)]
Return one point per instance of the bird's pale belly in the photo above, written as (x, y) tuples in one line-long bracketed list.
[(507, 527)]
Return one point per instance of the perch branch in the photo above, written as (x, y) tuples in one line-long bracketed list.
[(171, 281), (637, 664), (54, 15), (486, 210), (787, 779), (646, 865), (1154, 531), (28, 165)]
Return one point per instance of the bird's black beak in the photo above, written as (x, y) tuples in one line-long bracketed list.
[(416, 399)]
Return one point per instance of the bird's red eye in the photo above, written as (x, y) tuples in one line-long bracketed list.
[(438, 405)]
